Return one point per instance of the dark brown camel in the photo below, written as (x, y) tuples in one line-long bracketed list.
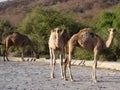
[(18, 40)]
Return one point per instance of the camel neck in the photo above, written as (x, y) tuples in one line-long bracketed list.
[(110, 40)]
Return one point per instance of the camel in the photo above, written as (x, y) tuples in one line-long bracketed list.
[(18, 40), (89, 41), (57, 42)]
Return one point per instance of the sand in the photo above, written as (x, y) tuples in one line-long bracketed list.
[(17, 75)]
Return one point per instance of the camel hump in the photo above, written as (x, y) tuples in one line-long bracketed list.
[(86, 34), (86, 37)]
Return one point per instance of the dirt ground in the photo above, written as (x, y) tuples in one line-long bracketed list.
[(17, 75)]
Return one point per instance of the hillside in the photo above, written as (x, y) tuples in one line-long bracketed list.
[(16, 10)]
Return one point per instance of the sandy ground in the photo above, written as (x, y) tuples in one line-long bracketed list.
[(17, 75)]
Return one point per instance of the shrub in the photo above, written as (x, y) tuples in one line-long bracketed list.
[(40, 21)]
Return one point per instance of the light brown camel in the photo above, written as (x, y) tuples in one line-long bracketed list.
[(57, 42), (90, 41), (18, 40)]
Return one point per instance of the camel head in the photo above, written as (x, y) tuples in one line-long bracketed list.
[(111, 37), (112, 31), (57, 33)]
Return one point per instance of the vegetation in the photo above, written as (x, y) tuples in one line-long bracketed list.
[(105, 21), (40, 21)]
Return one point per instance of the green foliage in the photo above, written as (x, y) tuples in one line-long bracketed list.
[(82, 54), (5, 28), (107, 20), (116, 22), (104, 22), (40, 21)]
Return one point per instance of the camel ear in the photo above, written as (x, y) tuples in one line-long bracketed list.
[(114, 30), (62, 32)]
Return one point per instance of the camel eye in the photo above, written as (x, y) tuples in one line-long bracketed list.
[(114, 30), (58, 31), (92, 34)]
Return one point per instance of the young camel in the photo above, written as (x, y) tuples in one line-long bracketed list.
[(57, 42), (90, 41), (18, 40)]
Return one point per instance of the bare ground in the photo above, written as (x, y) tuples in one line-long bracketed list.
[(17, 75)]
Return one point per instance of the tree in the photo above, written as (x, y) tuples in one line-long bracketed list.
[(40, 21), (5, 28), (107, 20)]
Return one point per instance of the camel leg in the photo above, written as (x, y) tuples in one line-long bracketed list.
[(5, 55), (61, 63), (32, 52), (53, 62), (65, 66), (95, 65), (65, 62), (71, 50), (69, 67), (22, 55), (68, 61)]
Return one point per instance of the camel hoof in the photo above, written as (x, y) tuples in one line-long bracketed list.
[(62, 77), (95, 81), (72, 80), (65, 79), (52, 77)]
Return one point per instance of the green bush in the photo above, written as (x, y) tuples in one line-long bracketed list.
[(40, 21), (107, 20), (5, 28), (82, 54)]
